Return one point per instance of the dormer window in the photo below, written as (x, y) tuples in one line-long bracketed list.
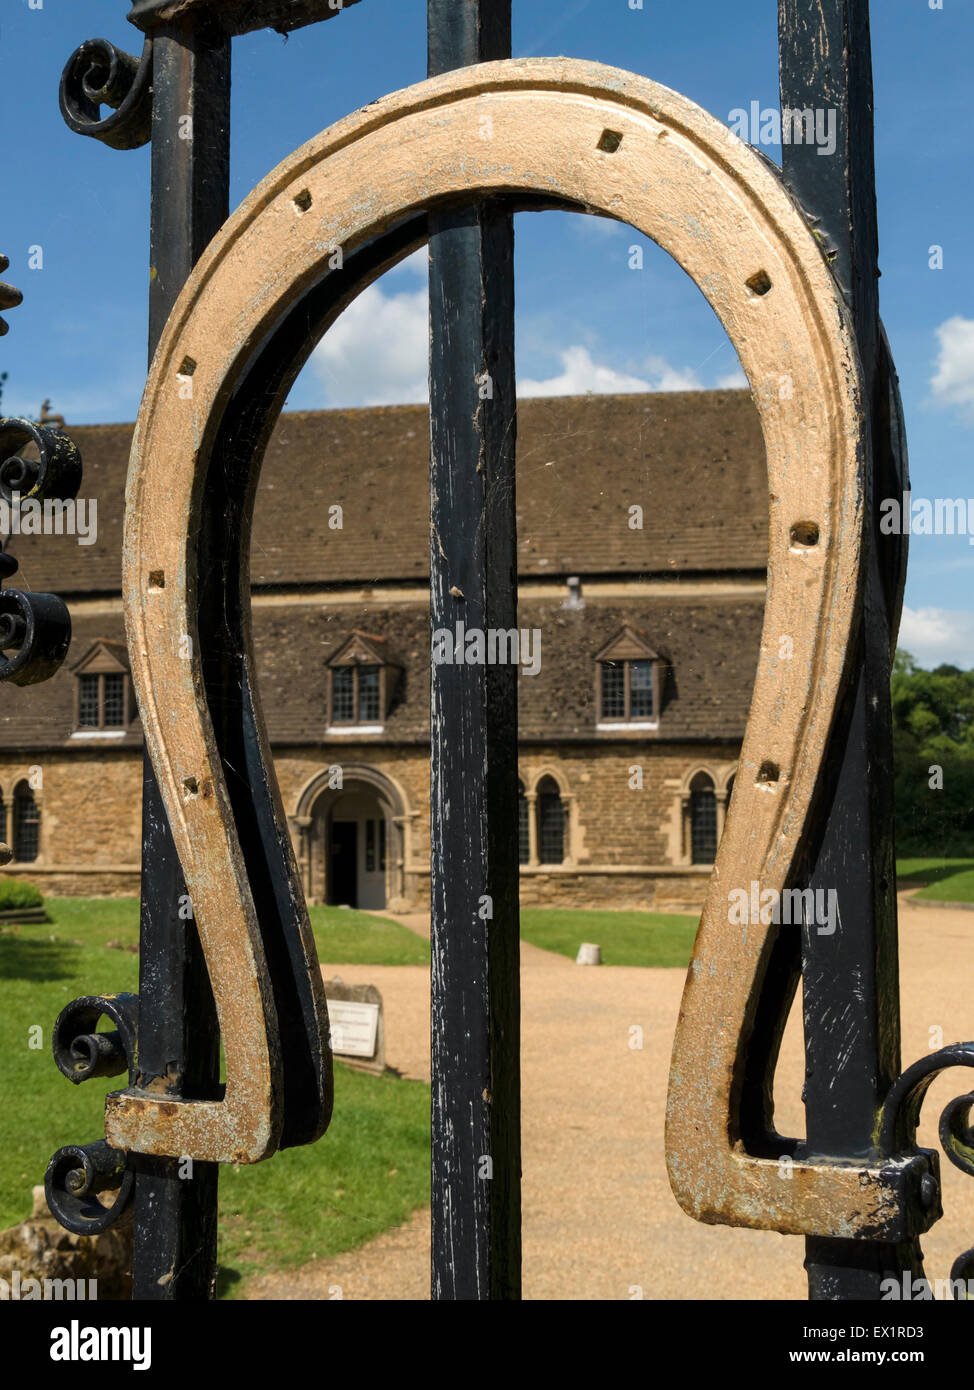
[(355, 694), (362, 683), (627, 683), (101, 701), (103, 692)]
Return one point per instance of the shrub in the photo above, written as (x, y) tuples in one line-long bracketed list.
[(14, 894)]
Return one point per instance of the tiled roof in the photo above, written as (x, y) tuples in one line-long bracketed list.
[(712, 646), (693, 461)]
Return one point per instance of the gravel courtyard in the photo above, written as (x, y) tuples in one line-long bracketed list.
[(599, 1219)]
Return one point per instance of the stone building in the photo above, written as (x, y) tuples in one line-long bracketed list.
[(642, 543)]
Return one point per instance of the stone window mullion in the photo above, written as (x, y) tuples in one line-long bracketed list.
[(721, 812), (568, 804), (532, 799)]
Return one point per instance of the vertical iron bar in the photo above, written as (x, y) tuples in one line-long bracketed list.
[(851, 991), (175, 1212), (476, 1161)]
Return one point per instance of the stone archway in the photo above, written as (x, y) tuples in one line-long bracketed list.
[(351, 839)]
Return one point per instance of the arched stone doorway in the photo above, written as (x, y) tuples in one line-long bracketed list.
[(351, 829)]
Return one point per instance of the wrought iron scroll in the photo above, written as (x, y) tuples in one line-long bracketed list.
[(78, 1174), (901, 1115), (98, 74), (9, 296), (35, 628)]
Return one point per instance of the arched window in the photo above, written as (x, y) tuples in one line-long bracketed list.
[(27, 825), (523, 827), (703, 820), (551, 822)]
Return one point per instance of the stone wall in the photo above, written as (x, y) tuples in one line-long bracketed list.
[(38, 1255), (90, 807), (626, 839), (635, 890)]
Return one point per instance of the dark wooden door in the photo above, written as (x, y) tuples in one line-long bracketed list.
[(342, 863)]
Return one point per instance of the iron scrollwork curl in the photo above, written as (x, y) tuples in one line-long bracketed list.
[(9, 297), (35, 633), (77, 1173), (35, 629), (55, 475), (99, 74), (901, 1115)]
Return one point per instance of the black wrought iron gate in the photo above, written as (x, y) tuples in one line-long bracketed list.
[(861, 1113)]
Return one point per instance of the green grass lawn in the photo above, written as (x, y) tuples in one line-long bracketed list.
[(626, 938), (944, 880), (341, 934), (368, 1173)]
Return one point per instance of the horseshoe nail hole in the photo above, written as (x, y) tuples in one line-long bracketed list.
[(303, 201), (187, 367), (157, 579), (759, 283), (804, 535), (768, 774), (609, 141), (190, 786)]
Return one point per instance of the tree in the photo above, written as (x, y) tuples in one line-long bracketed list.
[(933, 757)]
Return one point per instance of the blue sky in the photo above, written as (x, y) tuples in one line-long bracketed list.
[(586, 321)]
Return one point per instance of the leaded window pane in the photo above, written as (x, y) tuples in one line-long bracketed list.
[(114, 701), (343, 695), (551, 824), (613, 690), (703, 824), (88, 702), (27, 824), (368, 694), (641, 690), (523, 828)]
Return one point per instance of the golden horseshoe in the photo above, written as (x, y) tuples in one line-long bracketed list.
[(625, 147)]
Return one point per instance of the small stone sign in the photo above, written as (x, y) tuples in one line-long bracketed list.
[(357, 1028), (353, 1028)]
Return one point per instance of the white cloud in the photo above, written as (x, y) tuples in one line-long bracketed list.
[(953, 382), (733, 381), (672, 378), (596, 228), (582, 375), (938, 635), (415, 264), (376, 353)]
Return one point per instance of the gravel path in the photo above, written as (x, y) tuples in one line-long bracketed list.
[(599, 1219)]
